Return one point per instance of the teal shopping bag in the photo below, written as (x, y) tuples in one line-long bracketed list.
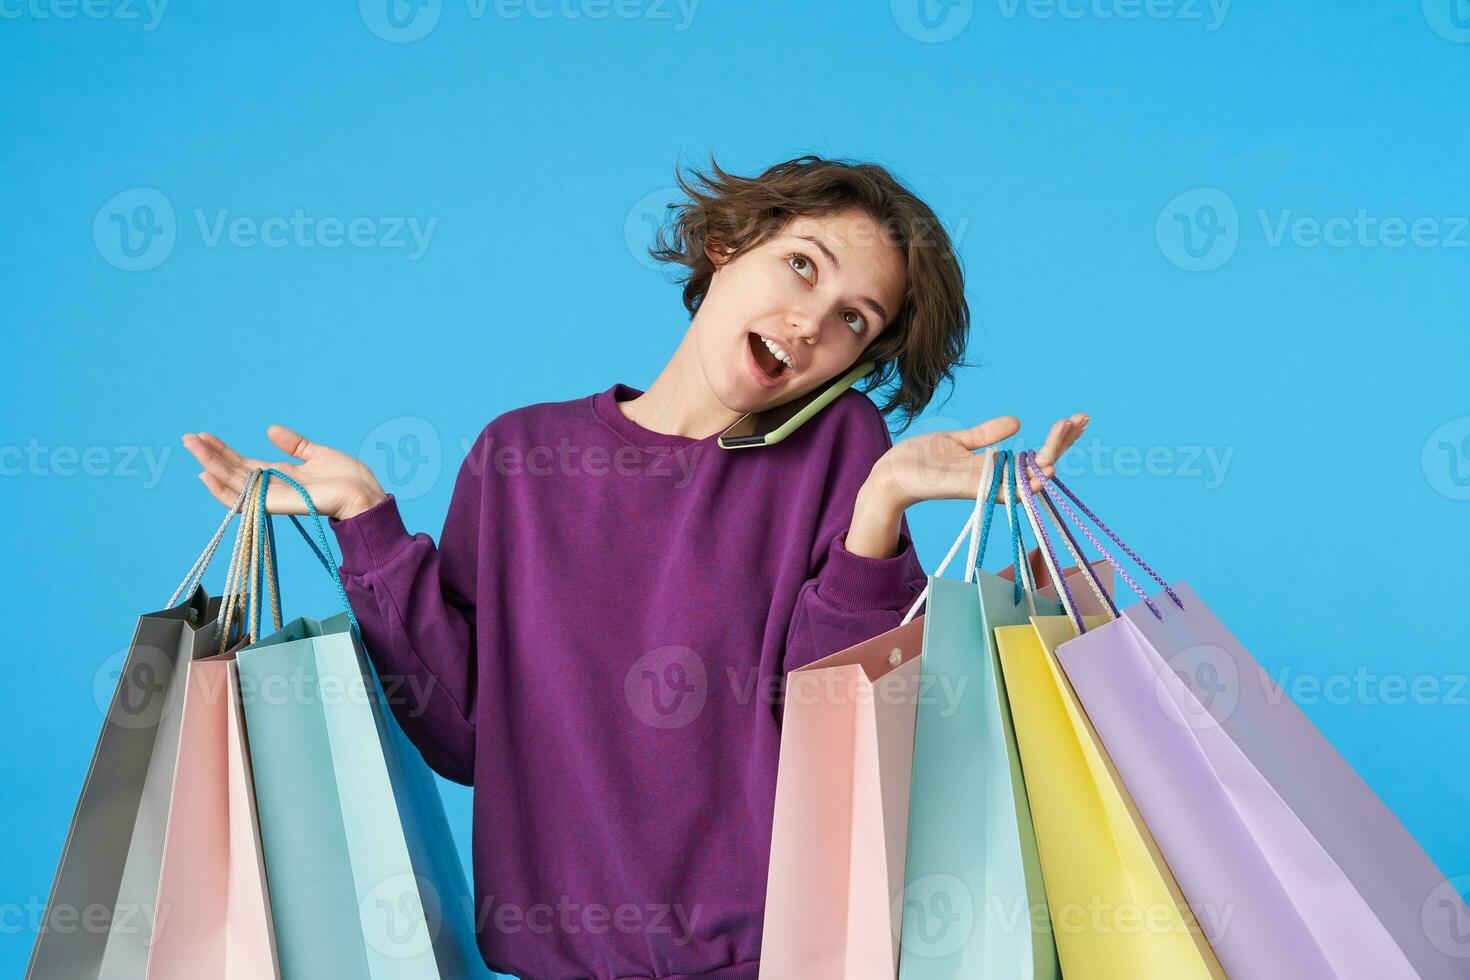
[(363, 877), (974, 901)]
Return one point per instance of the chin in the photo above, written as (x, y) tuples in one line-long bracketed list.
[(738, 393), (743, 396)]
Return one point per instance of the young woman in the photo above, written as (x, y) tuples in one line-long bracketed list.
[(601, 632)]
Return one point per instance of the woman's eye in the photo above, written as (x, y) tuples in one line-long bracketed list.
[(798, 261), (797, 257)]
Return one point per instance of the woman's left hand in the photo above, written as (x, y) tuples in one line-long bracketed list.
[(945, 466)]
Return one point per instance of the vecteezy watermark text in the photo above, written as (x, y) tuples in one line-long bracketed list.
[(406, 21), (568, 459), (645, 217), (136, 230), (149, 13), (301, 230), (1200, 230), (1096, 458), (93, 918), (934, 21), (572, 918), (1210, 13), (119, 462)]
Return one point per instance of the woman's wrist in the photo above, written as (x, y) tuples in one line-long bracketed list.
[(876, 521), (369, 498)]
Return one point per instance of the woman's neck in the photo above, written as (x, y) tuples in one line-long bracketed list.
[(679, 401)]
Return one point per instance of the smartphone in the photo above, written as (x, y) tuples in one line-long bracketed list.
[(774, 424)]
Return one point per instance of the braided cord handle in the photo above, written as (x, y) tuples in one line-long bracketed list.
[(265, 566), (235, 577), (201, 564), (1045, 483), (977, 549), (325, 552), (1025, 582), (1064, 589), (1103, 598)]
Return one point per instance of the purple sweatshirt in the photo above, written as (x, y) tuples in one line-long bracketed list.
[(604, 628)]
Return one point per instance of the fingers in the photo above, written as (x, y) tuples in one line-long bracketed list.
[(219, 461), (240, 465), (1052, 448), (1046, 457), (1064, 432), (989, 433), (1079, 423), (291, 442), (225, 471), (218, 490), (218, 445)]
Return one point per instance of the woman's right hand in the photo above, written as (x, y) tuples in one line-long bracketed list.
[(340, 486)]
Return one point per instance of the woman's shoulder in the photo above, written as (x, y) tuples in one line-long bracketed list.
[(519, 431), (851, 422), (853, 417), (537, 417)]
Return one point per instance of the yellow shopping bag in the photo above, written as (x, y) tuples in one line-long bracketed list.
[(1117, 913)]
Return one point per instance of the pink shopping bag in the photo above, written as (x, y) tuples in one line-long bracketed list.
[(213, 878), (840, 828), (214, 916)]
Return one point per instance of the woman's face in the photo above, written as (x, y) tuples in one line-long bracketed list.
[(821, 290)]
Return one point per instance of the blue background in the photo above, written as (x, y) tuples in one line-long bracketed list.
[(1116, 184)]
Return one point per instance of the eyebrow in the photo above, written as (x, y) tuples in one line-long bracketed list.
[(876, 306)]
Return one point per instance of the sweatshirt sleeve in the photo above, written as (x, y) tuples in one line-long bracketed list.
[(415, 603), (849, 598)]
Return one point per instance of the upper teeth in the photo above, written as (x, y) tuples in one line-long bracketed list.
[(775, 349)]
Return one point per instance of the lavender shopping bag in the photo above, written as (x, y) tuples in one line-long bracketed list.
[(1265, 826)]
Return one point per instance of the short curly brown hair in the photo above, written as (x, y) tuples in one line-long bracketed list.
[(924, 343)]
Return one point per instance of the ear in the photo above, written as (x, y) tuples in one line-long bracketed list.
[(717, 252)]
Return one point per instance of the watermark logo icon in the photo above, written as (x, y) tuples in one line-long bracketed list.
[(401, 916), (938, 915), (667, 687), (932, 21), (135, 230), (1446, 918), (1446, 459), (1198, 687), (643, 221), (1199, 230), (407, 455), (133, 688), (1450, 19), (400, 21)]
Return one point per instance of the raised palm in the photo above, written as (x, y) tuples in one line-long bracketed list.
[(339, 484), (945, 466)]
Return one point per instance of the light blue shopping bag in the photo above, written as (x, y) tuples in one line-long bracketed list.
[(363, 876), (974, 901)]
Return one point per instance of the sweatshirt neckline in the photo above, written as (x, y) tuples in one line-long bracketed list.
[(605, 407)]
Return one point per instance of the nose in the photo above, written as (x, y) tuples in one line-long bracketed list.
[(806, 327)]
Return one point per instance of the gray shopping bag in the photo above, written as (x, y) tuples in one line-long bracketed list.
[(101, 913)]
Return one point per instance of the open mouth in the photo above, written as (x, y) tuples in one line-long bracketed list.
[(774, 367)]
